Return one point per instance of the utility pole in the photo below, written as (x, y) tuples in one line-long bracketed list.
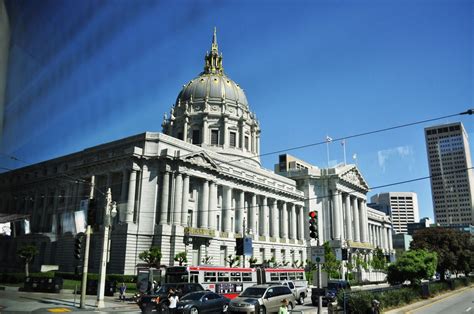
[(85, 268), (109, 212), (320, 277)]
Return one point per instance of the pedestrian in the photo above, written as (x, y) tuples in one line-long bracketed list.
[(283, 307), (122, 290), (173, 299)]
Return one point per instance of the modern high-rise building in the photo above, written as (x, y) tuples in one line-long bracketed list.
[(452, 177), (401, 206)]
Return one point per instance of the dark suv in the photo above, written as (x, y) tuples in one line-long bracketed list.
[(330, 293), (158, 301)]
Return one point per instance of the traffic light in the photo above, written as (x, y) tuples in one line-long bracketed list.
[(92, 212), (313, 224), (79, 242), (345, 255)]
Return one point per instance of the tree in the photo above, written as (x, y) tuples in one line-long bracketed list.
[(181, 258), (252, 261), (414, 265), (232, 260), (331, 265), (453, 248), (207, 260), (378, 261), (27, 254), (152, 256)]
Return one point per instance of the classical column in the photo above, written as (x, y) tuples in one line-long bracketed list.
[(123, 196), (227, 208), (274, 232), (355, 208), (213, 205), (284, 220), (264, 218), (164, 198), (390, 240), (335, 216), (252, 214), (384, 237), (185, 129), (204, 217), (239, 212), (293, 222), (339, 208), (205, 139), (347, 207), (178, 199), (131, 196), (225, 136), (361, 220), (366, 221), (185, 201), (301, 223)]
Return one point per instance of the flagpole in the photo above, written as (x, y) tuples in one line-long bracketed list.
[(328, 139)]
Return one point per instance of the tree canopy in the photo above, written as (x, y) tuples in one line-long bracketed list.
[(413, 265), (27, 254), (454, 248), (331, 265), (152, 256)]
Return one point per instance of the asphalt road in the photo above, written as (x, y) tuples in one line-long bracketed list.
[(461, 302)]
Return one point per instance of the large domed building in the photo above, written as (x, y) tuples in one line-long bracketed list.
[(193, 188)]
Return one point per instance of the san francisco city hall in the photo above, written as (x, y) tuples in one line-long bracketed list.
[(194, 188)]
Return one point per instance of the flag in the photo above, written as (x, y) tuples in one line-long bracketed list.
[(328, 139)]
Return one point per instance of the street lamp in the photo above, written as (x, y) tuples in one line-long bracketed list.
[(110, 211)]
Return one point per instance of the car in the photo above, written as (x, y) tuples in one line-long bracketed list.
[(158, 301), (300, 292), (202, 302), (262, 299), (331, 291)]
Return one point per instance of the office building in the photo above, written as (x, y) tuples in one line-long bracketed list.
[(401, 206)]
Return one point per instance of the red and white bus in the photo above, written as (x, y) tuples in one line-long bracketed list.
[(230, 282)]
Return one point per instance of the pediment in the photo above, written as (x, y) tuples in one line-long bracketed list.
[(354, 177), (202, 159)]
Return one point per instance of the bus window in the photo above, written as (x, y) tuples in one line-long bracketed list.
[(274, 277), (283, 276), (209, 276), (235, 277), (292, 276), (176, 278), (223, 276), (194, 277), (246, 276), (299, 276)]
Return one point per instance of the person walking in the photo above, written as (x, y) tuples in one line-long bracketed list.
[(122, 290), (173, 299), (283, 307)]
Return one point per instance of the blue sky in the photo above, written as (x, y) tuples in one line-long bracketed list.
[(83, 73)]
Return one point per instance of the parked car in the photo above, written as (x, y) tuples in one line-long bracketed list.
[(300, 292), (262, 299), (202, 302), (331, 291), (158, 301)]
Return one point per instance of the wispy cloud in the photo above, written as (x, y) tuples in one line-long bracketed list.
[(401, 152)]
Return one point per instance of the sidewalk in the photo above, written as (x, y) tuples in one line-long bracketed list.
[(414, 306)]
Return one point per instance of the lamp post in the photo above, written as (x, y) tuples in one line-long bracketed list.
[(110, 211)]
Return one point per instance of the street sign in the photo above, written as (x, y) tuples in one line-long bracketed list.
[(317, 254)]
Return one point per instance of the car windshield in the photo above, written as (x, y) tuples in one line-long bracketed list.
[(192, 296), (166, 288), (253, 292)]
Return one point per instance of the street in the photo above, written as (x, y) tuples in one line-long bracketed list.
[(459, 302)]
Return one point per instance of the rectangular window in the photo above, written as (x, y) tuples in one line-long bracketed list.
[(214, 137), (196, 137), (232, 139), (246, 276), (180, 135), (247, 143)]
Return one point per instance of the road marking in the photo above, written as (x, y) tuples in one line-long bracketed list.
[(468, 309), (59, 310)]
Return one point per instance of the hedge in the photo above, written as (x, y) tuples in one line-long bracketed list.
[(20, 277)]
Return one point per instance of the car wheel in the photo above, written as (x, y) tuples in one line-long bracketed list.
[(225, 308), (194, 310), (301, 299)]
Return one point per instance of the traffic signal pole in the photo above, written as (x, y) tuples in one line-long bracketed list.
[(85, 268), (320, 277)]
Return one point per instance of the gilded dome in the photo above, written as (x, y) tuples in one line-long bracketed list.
[(213, 87)]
